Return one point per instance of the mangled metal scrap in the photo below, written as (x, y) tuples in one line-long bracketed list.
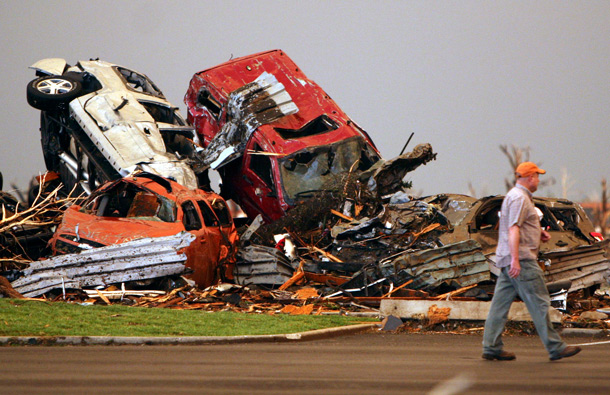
[(583, 266), (132, 261), (283, 160), (258, 264), (456, 265), (385, 177), (146, 205), (572, 253), (260, 102), (460, 263)]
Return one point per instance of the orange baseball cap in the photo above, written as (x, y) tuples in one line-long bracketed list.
[(526, 169)]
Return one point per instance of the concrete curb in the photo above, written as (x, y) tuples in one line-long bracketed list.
[(193, 340)]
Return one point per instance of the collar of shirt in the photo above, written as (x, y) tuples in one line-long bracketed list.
[(527, 191)]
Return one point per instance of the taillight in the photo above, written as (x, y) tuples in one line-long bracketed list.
[(597, 236)]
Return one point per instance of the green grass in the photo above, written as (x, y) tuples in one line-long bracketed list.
[(35, 318)]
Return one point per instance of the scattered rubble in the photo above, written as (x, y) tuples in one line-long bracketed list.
[(332, 230)]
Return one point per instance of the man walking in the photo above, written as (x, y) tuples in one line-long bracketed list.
[(519, 239)]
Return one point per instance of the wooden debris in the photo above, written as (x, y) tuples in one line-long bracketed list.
[(103, 297), (305, 293), (448, 295), (326, 254), (327, 279), (6, 289), (341, 215), (438, 315), (397, 288), (296, 310), (292, 280)]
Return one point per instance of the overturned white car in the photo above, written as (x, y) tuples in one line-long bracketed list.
[(102, 121)]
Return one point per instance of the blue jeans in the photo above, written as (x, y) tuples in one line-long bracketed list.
[(531, 288)]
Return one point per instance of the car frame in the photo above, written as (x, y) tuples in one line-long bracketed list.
[(101, 121), (575, 251), (146, 205), (284, 160)]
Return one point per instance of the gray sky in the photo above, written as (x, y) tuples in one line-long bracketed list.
[(465, 76)]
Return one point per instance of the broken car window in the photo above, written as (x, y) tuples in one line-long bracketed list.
[(261, 165), (191, 219), (222, 212), (163, 114), (209, 219), (205, 99), (139, 82), (126, 200)]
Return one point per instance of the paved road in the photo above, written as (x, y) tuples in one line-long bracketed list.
[(369, 363)]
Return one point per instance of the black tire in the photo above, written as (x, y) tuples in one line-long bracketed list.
[(48, 93)]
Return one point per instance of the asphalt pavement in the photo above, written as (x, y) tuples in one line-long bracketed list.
[(371, 362)]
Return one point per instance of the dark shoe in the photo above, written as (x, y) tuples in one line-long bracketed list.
[(567, 352), (501, 356)]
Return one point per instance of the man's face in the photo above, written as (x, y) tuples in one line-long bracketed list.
[(532, 182)]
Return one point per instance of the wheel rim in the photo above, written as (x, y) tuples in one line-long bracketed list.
[(54, 86)]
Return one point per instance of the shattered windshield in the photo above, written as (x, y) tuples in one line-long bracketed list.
[(129, 201), (318, 168), (139, 82), (163, 114)]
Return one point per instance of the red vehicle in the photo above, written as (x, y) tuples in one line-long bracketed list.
[(147, 205), (288, 158)]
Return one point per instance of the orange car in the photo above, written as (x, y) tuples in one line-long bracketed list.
[(147, 205)]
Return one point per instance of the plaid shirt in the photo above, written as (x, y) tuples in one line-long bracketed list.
[(518, 209)]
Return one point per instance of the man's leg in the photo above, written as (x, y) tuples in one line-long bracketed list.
[(532, 290), (504, 294)]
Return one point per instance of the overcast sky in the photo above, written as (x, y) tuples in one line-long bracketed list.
[(464, 76)]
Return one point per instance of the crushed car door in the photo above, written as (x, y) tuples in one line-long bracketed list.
[(218, 222), (201, 252), (259, 174)]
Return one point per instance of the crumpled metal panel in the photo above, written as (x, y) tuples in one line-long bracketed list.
[(260, 102), (385, 176), (135, 260), (462, 263), (258, 264), (583, 266)]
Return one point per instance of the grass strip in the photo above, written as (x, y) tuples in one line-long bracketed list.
[(40, 318)]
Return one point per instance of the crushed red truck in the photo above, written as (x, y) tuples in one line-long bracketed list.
[(283, 160)]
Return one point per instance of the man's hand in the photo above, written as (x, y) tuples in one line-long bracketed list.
[(515, 268), (545, 236)]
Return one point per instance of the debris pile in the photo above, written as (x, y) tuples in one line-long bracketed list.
[(26, 230), (332, 228)]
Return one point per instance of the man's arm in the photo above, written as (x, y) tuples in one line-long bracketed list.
[(513, 245)]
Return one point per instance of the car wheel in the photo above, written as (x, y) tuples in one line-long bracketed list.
[(47, 93)]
